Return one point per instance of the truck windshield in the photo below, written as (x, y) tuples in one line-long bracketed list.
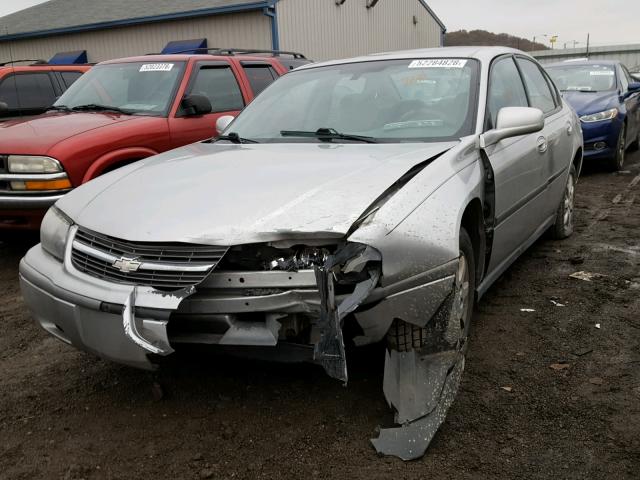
[(409, 100), (137, 88), (583, 78)]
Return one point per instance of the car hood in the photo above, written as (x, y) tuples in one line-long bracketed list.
[(585, 103), (234, 194), (37, 135)]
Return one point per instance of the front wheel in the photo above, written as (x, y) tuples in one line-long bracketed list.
[(405, 337), (617, 161), (563, 227)]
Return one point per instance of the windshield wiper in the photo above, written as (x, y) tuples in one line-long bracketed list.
[(233, 137), (94, 107), (59, 108), (328, 134)]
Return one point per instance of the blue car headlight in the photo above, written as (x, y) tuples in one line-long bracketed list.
[(600, 116), (53, 232)]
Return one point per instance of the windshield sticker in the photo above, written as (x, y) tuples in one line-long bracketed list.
[(156, 67), (438, 63), (595, 73)]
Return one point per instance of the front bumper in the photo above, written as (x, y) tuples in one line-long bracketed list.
[(123, 323), (601, 138), (25, 212)]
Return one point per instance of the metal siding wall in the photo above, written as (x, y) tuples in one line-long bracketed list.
[(323, 30), (241, 30)]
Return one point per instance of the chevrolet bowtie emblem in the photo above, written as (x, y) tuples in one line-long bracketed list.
[(127, 265)]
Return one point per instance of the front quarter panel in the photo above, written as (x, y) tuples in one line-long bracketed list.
[(418, 229)]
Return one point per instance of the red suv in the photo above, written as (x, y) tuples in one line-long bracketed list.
[(119, 112), (32, 89)]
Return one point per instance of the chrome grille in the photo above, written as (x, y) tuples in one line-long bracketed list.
[(166, 266)]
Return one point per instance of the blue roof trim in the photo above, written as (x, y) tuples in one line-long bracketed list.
[(69, 58), (137, 21), (433, 14)]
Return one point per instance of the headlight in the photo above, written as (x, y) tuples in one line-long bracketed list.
[(53, 232), (33, 164), (600, 116)]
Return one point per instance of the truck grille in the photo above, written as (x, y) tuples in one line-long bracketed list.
[(165, 266)]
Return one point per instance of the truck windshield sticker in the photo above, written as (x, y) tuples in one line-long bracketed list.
[(438, 63), (156, 67)]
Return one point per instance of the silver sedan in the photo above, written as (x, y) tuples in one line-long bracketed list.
[(353, 202)]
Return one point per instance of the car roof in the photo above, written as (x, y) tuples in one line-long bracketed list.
[(583, 63), (484, 54), (44, 67), (184, 57)]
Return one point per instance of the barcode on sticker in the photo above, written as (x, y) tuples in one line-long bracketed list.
[(156, 67), (608, 73), (438, 63)]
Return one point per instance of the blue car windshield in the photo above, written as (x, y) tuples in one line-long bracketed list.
[(584, 78)]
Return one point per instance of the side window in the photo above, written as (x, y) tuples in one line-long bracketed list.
[(505, 89), (70, 77), (260, 76), (624, 79), (27, 91), (540, 94), (219, 84)]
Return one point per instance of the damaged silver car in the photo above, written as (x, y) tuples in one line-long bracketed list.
[(353, 202)]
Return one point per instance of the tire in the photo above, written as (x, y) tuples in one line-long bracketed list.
[(563, 228), (635, 146), (617, 161), (404, 337)]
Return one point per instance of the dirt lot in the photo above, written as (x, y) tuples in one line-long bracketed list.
[(65, 414)]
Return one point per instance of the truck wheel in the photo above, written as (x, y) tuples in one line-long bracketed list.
[(563, 227), (404, 337)]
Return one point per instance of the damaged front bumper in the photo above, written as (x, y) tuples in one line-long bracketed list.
[(133, 325)]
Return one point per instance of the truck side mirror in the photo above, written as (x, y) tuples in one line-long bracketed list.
[(196, 105)]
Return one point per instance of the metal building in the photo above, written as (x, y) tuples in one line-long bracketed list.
[(321, 29)]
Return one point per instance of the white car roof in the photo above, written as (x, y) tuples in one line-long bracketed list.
[(484, 54)]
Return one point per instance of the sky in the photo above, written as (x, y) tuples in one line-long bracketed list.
[(608, 21)]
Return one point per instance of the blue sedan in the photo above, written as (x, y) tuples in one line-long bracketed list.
[(607, 99)]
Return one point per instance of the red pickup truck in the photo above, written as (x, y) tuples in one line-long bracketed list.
[(119, 112)]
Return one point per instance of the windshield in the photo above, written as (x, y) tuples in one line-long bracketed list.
[(139, 88), (584, 78), (425, 100)]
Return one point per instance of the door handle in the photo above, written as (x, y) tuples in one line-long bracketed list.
[(542, 144)]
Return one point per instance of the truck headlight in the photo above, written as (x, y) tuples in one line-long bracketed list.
[(33, 164), (600, 116), (53, 232)]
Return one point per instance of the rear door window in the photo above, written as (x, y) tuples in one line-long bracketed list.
[(540, 95), (220, 86), (27, 91), (260, 76), (505, 89)]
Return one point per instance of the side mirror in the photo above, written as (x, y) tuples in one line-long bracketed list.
[(513, 122), (4, 107), (196, 105), (634, 87), (223, 122)]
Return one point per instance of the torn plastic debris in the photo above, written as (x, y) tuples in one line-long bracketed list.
[(527, 310), (586, 276), (329, 351), (558, 304), (421, 385), (427, 386)]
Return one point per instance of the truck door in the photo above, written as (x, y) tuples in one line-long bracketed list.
[(217, 81)]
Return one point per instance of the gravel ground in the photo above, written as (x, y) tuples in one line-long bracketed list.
[(551, 393)]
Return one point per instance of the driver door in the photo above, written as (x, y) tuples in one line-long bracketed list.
[(217, 81), (519, 166)]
